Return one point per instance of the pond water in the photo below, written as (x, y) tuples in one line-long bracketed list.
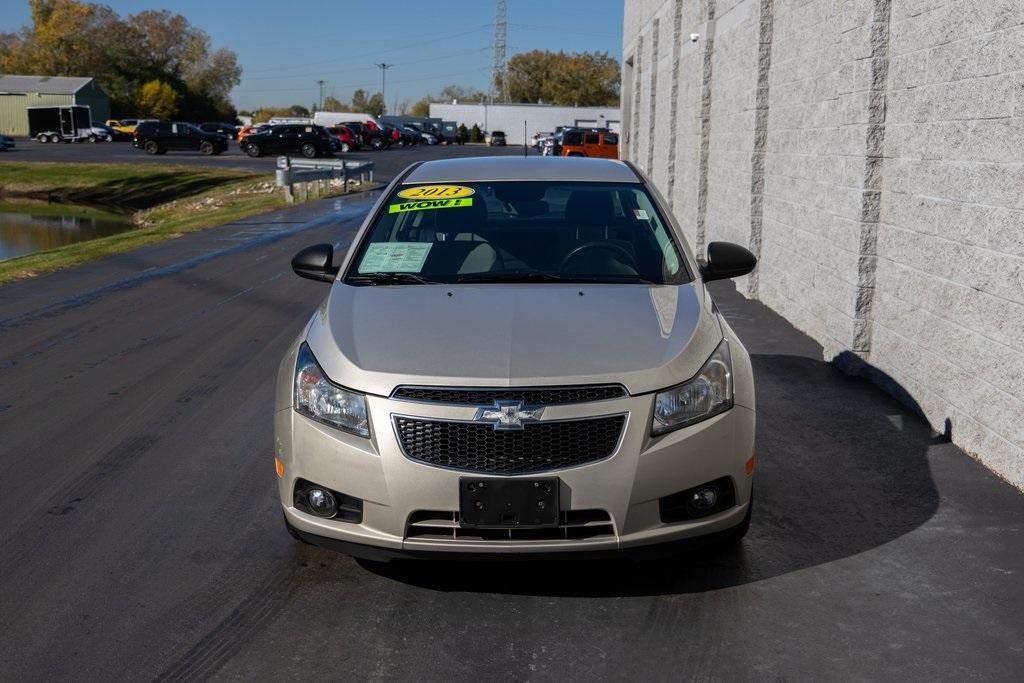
[(25, 229)]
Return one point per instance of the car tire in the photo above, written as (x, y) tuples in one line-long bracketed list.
[(377, 144), (151, 147), (345, 148), (308, 150), (93, 139), (253, 150), (206, 148), (109, 138), (54, 138), (42, 138)]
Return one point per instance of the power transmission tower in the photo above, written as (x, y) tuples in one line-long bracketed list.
[(321, 84), (500, 44)]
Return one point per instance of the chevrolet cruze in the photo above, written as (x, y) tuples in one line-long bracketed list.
[(516, 357)]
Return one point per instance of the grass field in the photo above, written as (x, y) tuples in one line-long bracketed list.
[(162, 202)]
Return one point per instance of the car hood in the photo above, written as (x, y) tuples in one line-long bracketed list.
[(375, 338)]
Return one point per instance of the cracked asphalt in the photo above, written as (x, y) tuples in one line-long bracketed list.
[(141, 536)]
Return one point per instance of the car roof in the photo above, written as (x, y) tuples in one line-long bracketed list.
[(578, 169)]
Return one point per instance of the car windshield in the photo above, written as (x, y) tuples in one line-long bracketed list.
[(518, 232)]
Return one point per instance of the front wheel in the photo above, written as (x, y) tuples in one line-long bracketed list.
[(377, 144), (151, 147), (93, 139), (205, 148), (345, 148), (308, 150), (253, 150)]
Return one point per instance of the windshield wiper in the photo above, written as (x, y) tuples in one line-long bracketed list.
[(390, 279), (552, 277)]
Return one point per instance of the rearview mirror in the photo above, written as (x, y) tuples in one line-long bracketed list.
[(726, 260), (315, 263)]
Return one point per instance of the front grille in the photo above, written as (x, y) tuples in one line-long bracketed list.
[(538, 447), (572, 525), (543, 396)]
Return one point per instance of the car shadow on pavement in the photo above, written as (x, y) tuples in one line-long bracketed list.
[(841, 469)]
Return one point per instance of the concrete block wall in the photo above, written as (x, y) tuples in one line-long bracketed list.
[(871, 153)]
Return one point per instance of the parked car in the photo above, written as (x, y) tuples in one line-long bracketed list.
[(592, 440), (372, 137), (590, 143), (246, 131), (102, 133), (308, 140), (538, 138), (346, 139), (160, 137), (409, 137), (426, 137), (126, 126), (226, 129), (495, 138), (6, 143)]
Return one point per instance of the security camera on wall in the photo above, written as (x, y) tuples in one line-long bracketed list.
[(694, 37)]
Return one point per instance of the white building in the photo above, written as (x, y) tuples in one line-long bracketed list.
[(510, 118)]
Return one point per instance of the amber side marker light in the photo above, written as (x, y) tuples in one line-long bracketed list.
[(749, 466), (279, 466)]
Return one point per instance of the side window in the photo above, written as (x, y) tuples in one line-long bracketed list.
[(611, 139), (590, 139)]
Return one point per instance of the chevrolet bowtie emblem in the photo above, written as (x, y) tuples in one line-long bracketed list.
[(508, 415)]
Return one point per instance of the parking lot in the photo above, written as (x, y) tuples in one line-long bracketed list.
[(143, 538), (386, 162)]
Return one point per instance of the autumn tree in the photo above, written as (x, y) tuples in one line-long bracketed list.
[(585, 79), (74, 38), (157, 100)]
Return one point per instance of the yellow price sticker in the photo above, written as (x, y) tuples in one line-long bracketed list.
[(436, 192)]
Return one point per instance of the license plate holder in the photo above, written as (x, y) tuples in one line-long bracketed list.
[(508, 504)]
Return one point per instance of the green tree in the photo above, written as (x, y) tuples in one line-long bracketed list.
[(420, 107), (157, 100), (475, 135), (585, 79), (332, 103)]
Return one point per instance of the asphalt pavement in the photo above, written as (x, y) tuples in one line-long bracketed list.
[(387, 162), (141, 535)]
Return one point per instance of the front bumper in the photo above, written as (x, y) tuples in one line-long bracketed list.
[(627, 486)]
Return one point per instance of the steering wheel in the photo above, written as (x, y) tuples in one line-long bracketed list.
[(624, 256)]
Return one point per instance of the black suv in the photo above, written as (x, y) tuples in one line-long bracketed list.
[(159, 137), (225, 129), (289, 138)]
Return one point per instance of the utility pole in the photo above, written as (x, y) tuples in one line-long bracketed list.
[(383, 83), (321, 84)]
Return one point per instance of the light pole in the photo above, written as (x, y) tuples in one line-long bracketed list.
[(321, 84), (383, 84)]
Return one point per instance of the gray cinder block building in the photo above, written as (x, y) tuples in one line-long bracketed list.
[(871, 153)]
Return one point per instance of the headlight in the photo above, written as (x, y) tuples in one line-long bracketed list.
[(318, 398), (707, 394)]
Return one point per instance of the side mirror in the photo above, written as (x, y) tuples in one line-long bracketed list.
[(726, 260), (315, 263)]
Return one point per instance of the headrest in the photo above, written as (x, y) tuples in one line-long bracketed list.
[(589, 208)]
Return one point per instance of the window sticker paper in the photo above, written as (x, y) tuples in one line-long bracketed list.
[(395, 257)]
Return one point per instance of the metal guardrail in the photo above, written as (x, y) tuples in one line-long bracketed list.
[(304, 177)]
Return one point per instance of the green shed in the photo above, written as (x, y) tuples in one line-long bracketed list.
[(19, 92)]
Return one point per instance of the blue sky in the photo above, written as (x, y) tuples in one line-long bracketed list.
[(284, 47)]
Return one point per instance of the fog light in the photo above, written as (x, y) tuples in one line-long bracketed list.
[(321, 502), (704, 498)]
